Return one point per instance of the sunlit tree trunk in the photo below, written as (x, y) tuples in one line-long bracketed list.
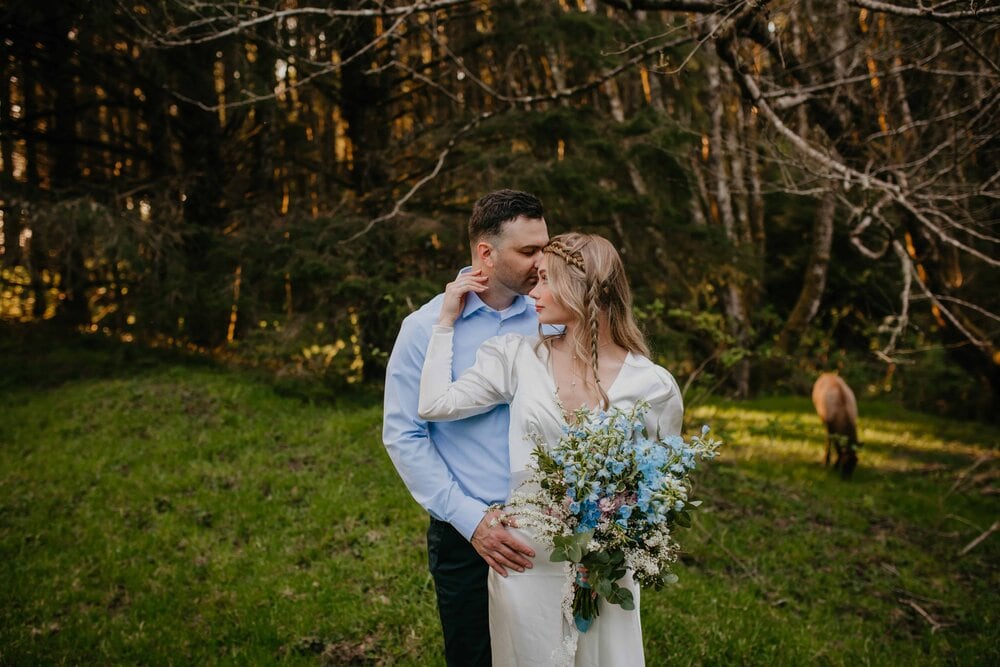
[(722, 166), (758, 230), (613, 97)]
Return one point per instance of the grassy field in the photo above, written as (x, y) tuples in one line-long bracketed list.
[(154, 511)]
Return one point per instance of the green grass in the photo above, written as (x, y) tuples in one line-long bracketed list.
[(168, 513)]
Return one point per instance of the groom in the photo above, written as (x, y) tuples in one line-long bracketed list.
[(455, 470)]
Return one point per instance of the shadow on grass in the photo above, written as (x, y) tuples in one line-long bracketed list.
[(43, 356)]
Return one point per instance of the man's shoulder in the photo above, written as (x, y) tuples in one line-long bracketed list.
[(424, 317), (415, 329)]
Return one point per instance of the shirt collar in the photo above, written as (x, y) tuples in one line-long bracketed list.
[(473, 303)]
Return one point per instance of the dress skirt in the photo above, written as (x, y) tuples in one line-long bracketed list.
[(527, 628)]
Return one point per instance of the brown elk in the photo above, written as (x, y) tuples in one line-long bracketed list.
[(838, 409)]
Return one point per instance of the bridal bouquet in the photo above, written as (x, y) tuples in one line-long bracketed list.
[(606, 498)]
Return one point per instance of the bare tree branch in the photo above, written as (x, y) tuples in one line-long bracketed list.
[(216, 26), (399, 203), (924, 12)]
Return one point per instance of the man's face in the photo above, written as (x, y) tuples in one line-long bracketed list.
[(517, 253)]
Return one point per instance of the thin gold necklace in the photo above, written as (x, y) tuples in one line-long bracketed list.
[(572, 371)]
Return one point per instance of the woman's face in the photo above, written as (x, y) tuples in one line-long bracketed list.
[(549, 310)]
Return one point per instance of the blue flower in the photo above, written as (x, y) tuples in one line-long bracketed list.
[(591, 514), (645, 496), (674, 441)]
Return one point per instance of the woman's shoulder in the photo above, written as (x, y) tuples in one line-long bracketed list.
[(656, 377)]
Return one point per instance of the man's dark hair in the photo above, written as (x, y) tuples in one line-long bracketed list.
[(493, 210)]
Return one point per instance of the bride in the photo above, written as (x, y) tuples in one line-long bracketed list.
[(599, 360)]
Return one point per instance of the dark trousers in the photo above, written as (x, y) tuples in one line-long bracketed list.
[(463, 600)]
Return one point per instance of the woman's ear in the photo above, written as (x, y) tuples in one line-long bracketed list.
[(484, 251)]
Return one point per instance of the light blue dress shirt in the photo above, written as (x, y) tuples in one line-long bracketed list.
[(453, 469)]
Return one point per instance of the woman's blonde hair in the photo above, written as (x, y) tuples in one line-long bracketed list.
[(588, 279)]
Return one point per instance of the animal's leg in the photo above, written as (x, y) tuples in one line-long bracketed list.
[(840, 451), (850, 462)]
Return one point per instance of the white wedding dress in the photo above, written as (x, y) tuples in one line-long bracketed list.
[(527, 627)]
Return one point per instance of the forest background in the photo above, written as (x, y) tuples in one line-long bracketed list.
[(794, 186), (186, 187)]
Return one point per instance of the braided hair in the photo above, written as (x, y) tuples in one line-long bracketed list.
[(589, 280)]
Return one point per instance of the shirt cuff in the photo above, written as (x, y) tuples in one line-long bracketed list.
[(468, 516), (443, 328)]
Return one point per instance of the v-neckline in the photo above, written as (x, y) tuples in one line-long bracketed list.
[(550, 373)]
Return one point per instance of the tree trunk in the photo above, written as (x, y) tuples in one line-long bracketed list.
[(58, 68), (30, 107), (814, 279), (732, 294), (11, 251), (364, 99), (364, 105), (206, 311)]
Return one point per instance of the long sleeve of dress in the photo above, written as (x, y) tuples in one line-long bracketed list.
[(488, 382), (666, 406)]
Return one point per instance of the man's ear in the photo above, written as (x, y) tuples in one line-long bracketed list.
[(485, 251)]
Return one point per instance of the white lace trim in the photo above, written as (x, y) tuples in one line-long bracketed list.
[(565, 655)]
